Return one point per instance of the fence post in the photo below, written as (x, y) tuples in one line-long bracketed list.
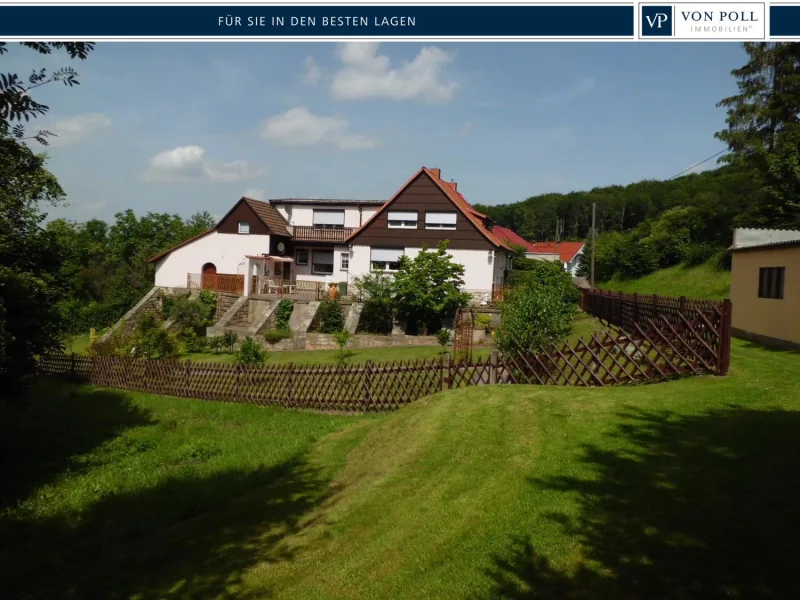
[(493, 367), (445, 371), (635, 307), (655, 306), (236, 385), (725, 332), (187, 374), (682, 304), (72, 366), (367, 385), (289, 401)]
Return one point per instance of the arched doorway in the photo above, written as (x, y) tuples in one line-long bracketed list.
[(209, 275)]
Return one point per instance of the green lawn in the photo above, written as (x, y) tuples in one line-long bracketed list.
[(683, 490), (703, 281)]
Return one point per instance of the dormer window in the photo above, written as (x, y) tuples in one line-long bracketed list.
[(400, 219), (329, 219), (244, 227)]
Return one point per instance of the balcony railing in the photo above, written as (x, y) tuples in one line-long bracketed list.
[(218, 282), (307, 233)]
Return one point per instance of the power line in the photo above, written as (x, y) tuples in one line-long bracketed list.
[(698, 164)]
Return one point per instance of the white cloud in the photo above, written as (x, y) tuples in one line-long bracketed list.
[(255, 193), (71, 130), (366, 74), (189, 163), (300, 127), (575, 90), (312, 73), (466, 128)]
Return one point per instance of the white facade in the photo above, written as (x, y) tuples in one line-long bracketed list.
[(572, 266), (482, 268), (301, 215), (225, 251)]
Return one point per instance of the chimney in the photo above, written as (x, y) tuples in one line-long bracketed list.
[(436, 173), (453, 185)]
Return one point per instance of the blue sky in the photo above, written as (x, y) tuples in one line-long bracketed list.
[(186, 127)]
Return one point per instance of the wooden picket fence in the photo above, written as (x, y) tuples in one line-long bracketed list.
[(702, 328), (658, 346)]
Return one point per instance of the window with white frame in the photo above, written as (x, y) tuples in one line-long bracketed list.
[(440, 220), (301, 257), (344, 264), (329, 219), (402, 219), (244, 227), (321, 262), (385, 259)]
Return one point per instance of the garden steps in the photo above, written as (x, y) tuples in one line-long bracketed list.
[(230, 313), (302, 315), (147, 300)]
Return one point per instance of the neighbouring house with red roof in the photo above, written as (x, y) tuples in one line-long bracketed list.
[(568, 253), (308, 243)]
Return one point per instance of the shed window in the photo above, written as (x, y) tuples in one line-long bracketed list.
[(440, 220), (770, 282), (244, 227), (402, 219), (329, 219), (321, 262), (301, 257), (385, 259)]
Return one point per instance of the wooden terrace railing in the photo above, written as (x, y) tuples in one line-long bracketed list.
[(218, 282), (306, 233)]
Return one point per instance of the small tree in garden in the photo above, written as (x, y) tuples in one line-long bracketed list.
[(251, 353), (193, 314), (377, 315), (229, 339), (539, 310), (443, 337), (428, 288), (342, 339), (151, 340)]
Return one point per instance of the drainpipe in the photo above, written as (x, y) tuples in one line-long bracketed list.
[(359, 215)]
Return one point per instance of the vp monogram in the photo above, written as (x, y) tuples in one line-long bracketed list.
[(656, 20)]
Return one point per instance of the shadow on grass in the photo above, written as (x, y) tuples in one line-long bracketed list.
[(684, 507), (787, 349), (39, 440), (192, 534)]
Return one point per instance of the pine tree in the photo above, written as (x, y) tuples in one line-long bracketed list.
[(764, 129)]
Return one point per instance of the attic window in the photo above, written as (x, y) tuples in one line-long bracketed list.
[(244, 227), (440, 220), (402, 219)]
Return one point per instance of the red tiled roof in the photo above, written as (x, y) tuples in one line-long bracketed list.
[(512, 238), (455, 197), (566, 250)]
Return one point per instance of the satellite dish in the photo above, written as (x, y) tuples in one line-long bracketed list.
[(281, 247)]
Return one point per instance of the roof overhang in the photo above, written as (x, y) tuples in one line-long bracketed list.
[(268, 257)]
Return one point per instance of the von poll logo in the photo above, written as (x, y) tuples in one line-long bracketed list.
[(703, 21), (656, 21)]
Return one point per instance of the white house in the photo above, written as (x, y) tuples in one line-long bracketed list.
[(292, 245)]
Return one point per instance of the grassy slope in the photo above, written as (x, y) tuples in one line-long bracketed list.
[(702, 281), (677, 490)]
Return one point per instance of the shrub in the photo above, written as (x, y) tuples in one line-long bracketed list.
[(229, 339), (208, 299), (539, 310), (331, 318), (215, 343), (483, 321), (192, 342), (700, 253), (283, 313), (273, 336), (377, 314), (251, 353), (443, 337), (151, 340), (190, 313)]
